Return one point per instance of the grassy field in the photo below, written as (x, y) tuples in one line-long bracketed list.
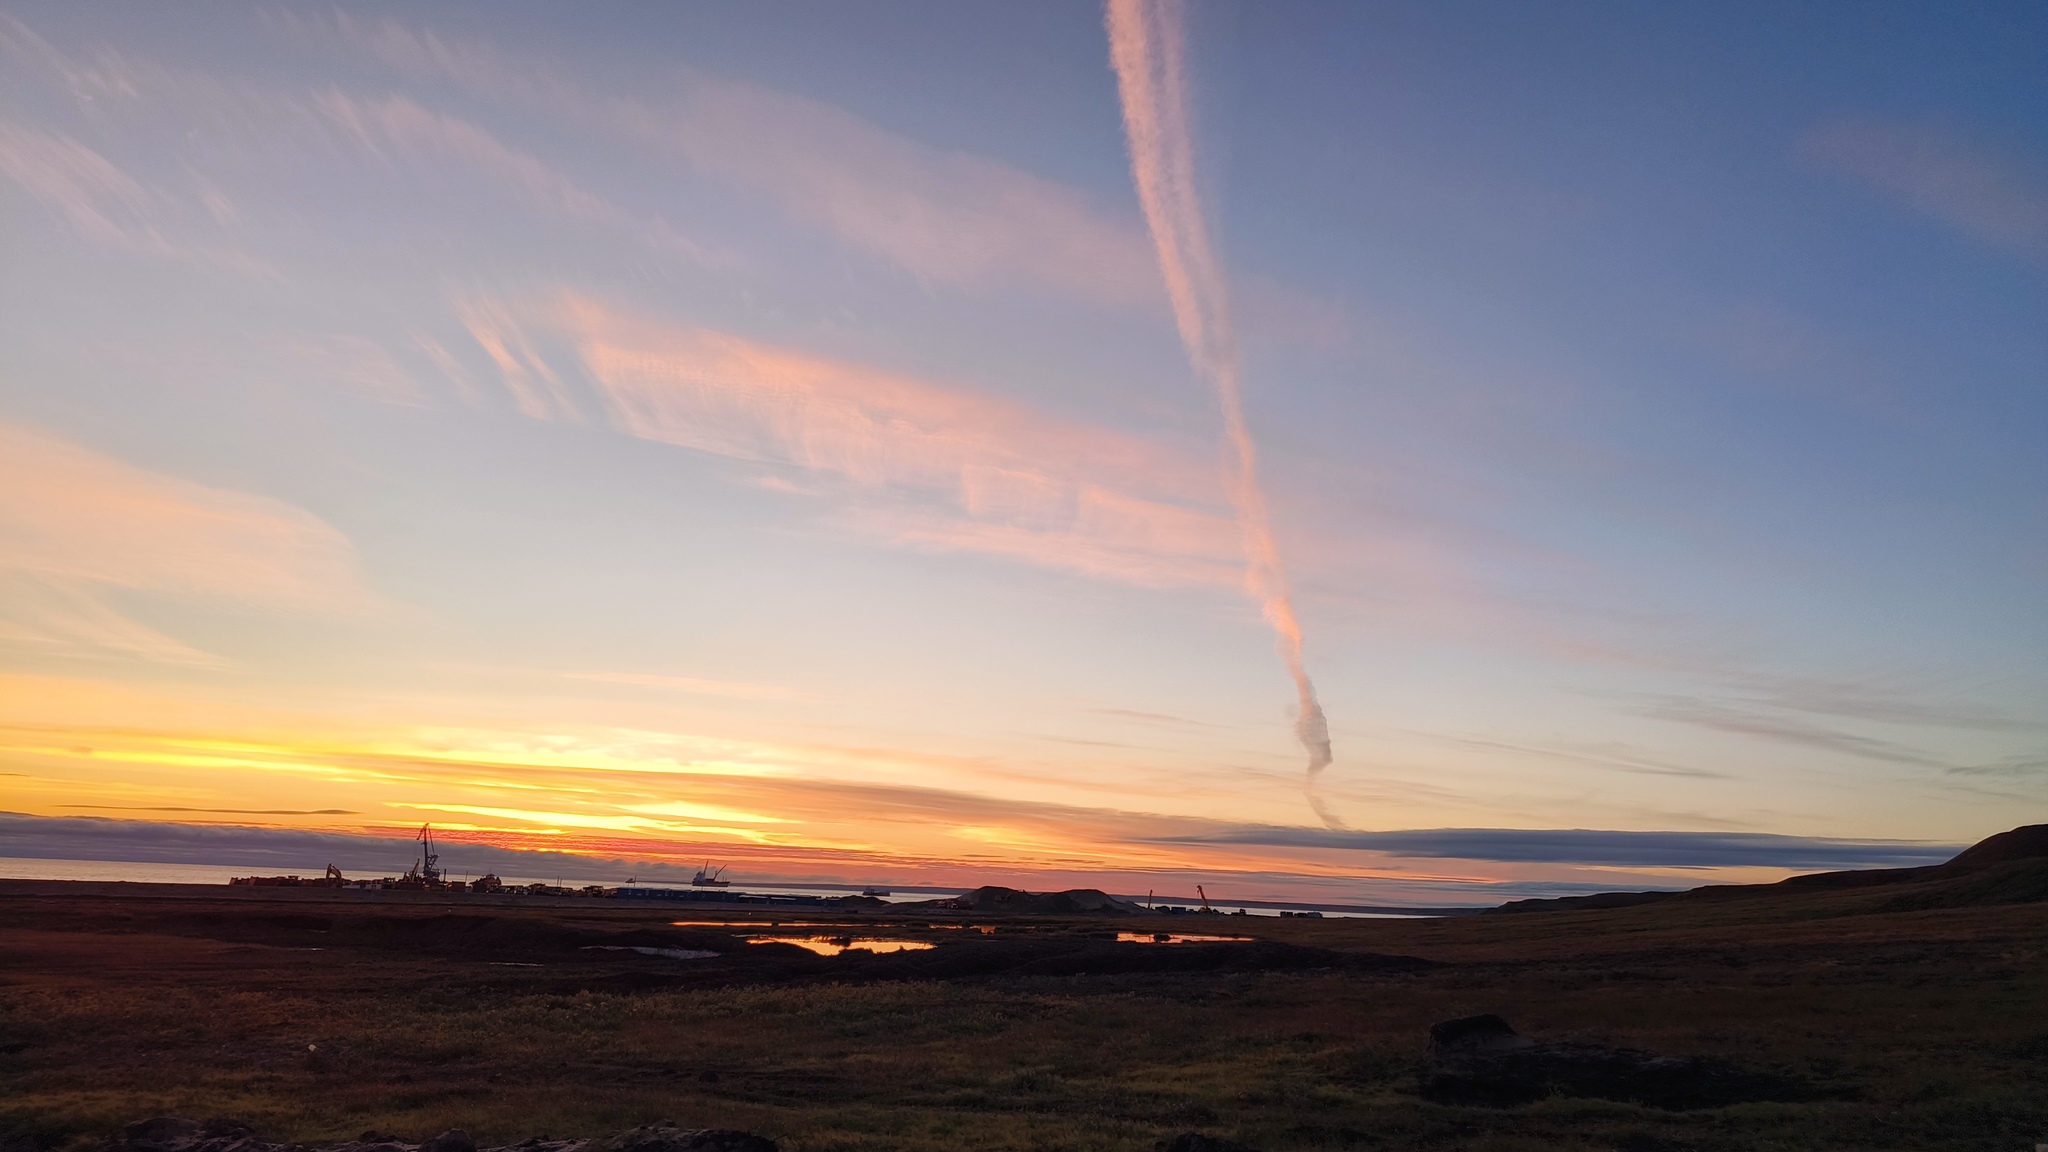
[(1932, 1027)]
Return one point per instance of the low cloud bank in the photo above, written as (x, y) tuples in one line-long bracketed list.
[(1593, 846), (269, 851)]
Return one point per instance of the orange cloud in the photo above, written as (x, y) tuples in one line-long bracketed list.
[(691, 684), (949, 216), (68, 513), (74, 522), (926, 465)]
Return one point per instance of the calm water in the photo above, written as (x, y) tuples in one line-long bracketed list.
[(18, 868), (834, 945)]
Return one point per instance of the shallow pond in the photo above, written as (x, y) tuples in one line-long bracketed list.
[(834, 945), (1178, 938)]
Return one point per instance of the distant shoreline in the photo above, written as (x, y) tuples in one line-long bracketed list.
[(156, 888)]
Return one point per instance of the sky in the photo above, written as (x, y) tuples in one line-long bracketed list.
[(881, 443)]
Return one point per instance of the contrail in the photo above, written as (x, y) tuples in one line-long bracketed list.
[(1146, 47)]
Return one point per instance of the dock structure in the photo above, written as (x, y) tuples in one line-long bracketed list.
[(724, 896)]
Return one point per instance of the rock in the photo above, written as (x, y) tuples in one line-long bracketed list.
[(667, 1138), (1196, 1142), (165, 1132), (1474, 1036), (171, 1134), (1481, 1060)]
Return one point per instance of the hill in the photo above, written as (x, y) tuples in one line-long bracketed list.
[(2009, 868), (1015, 902)]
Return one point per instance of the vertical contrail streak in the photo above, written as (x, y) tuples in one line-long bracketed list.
[(1146, 47)]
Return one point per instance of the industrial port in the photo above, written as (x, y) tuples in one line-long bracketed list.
[(426, 875)]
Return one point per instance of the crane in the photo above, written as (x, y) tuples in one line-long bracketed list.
[(428, 857)]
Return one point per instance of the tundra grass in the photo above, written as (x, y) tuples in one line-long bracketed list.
[(1935, 1026)]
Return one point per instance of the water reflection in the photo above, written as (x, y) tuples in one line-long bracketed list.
[(1178, 938), (834, 945), (671, 953)]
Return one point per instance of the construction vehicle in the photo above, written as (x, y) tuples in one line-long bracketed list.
[(425, 873), (333, 879)]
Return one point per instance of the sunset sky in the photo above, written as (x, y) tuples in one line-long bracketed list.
[(765, 433)]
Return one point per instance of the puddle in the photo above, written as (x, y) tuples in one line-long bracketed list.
[(757, 925), (671, 953), (1177, 938), (511, 964), (834, 945)]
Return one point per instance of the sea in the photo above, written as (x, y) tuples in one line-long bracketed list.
[(139, 872)]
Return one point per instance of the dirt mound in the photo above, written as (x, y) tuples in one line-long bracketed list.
[(1481, 1060), (1197, 1142), (666, 1137)]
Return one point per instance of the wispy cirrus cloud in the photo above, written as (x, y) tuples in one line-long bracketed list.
[(949, 216), (691, 684), (98, 200), (61, 617), (104, 204), (257, 136), (357, 363), (2024, 766), (1884, 699), (537, 390), (72, 514), (75, 523), (943, 215), (929, 465), (1998, 195), (1614, 848), (926, 465), (1748, 720), (393, 129), (1609, 757), (220, 811)]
